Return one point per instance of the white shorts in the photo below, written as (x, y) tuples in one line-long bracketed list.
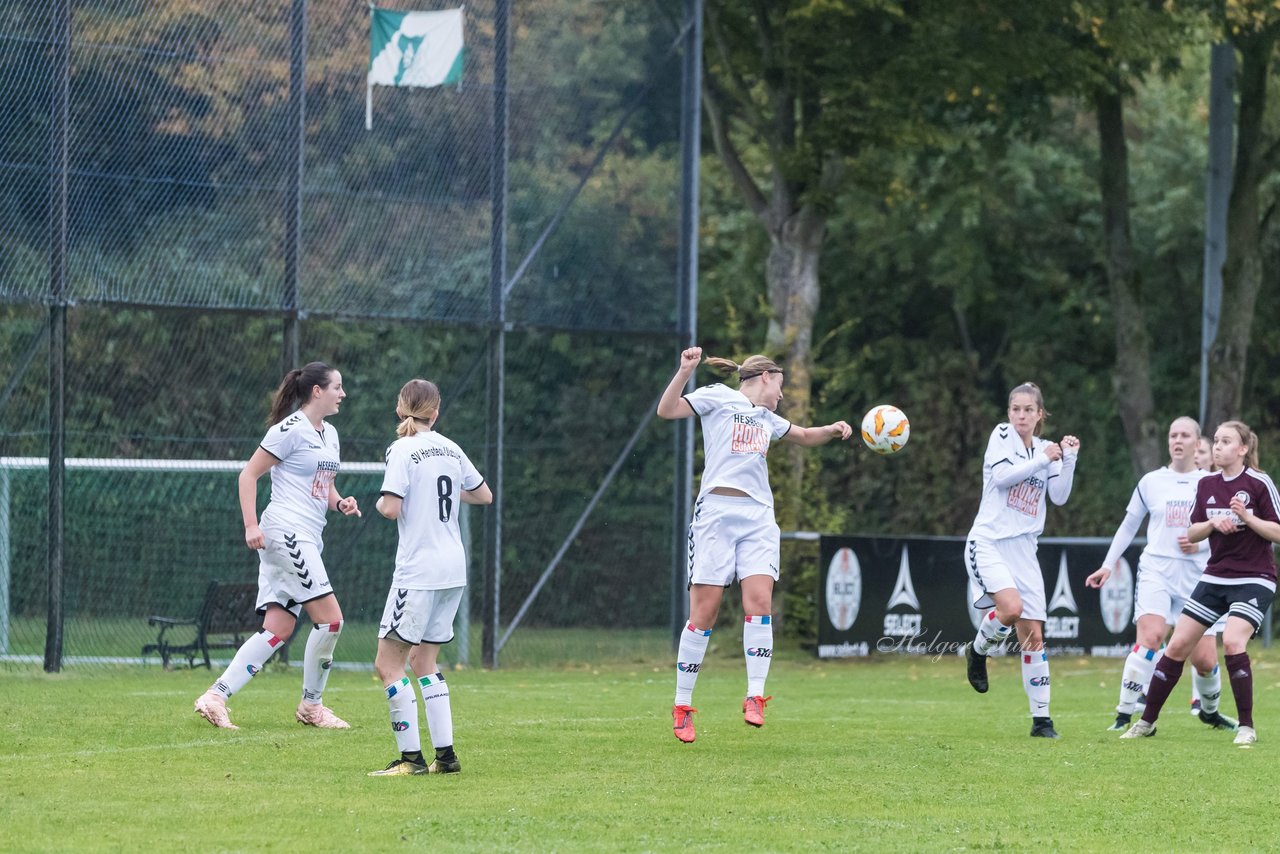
[(732, 537), (1164, 586), (420, 616), (290, 572), (996, 565)]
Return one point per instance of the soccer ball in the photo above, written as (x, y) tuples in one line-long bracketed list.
[(885, 429)]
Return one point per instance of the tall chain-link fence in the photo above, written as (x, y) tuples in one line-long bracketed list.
[(216, 220)]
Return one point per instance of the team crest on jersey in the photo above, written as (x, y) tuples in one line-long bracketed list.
[(904, 594), (1244, 497), (844, 589), (1066, 626)]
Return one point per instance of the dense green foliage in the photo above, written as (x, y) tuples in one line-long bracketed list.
[(963, 253)]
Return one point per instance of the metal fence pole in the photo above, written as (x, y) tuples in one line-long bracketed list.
[(497, 333), (690, 151), (296, 166), (59, 171), (6, 558)]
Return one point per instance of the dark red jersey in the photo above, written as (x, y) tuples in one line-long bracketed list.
[(1243, 556)]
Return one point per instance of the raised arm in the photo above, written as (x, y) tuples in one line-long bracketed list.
[(672, 405), (810, 437), (1006, 474), (1061, 480)]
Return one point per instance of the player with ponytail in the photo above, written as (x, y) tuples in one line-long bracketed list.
[(428, 479), (1019, 471), (301, 450), (733, 535)]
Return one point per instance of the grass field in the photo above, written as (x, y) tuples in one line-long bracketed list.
[(889, 755), (123, 638)]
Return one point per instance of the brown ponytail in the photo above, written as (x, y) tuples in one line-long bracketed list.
[(295, 389)]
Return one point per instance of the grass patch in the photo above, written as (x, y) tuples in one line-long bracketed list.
[(887, 755), (123, 638)]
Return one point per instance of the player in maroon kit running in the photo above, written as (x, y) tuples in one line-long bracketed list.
[(1236, 508)]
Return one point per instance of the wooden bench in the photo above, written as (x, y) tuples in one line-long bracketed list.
[(226, 619)]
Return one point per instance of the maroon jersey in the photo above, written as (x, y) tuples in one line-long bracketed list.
[(1243, 556)]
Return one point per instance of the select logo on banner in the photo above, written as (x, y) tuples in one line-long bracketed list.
[(1117, 599), (1063, 626), (904, 595), (844, 589)]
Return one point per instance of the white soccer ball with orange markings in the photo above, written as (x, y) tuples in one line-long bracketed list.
[(885, 429)]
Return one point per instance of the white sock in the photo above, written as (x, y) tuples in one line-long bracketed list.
[(1138, 667), (757, 646), (250, 658), (403, 704), (693, 648), (318, 659), (991, 634), (1209, 688), (1035, 681), (435, 702)]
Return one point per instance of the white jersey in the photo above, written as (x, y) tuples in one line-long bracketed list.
[(301, 481), (1015, 479), (735, 439), (1169, 497), (430, 472)]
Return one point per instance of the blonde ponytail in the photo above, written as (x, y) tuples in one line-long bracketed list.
[(751, 367), (419, 404)]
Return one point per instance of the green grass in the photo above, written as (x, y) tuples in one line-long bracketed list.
[(124, 637), (889, 755)]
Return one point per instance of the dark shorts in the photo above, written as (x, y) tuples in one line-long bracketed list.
[(1210, 601)]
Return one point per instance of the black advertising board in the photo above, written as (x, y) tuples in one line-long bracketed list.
[(910, 595)]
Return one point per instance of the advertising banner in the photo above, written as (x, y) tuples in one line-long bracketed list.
[(910, 595)]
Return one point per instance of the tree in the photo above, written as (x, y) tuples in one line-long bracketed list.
[(1253, 29), (1119, 42), (790, 107)]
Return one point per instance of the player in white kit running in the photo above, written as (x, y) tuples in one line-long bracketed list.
[(301, 451), (1168, 570), (427, 480), (1018, 470), (733, 534)]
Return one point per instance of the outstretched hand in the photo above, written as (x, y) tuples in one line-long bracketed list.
[(840, 429), (1098, 577)]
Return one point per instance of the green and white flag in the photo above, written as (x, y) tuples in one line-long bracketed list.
[(413, 49)]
